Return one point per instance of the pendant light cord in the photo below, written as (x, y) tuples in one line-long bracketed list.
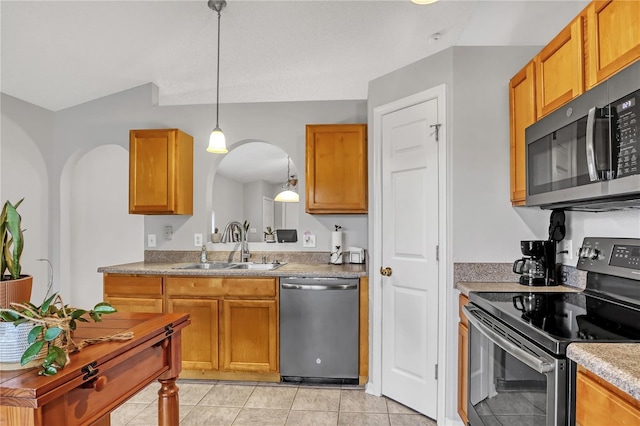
[(218, 73)]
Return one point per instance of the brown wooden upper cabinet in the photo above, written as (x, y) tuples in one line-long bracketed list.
[(613, 35), (522, 105), (160, 172), (336, 168), (560, 69)]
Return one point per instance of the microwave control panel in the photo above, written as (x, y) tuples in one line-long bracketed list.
[(627, 113)]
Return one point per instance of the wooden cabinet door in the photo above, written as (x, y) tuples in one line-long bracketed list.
[(600, 403), (560, 69), (200, 339), (160, 172), (336, 168), (613, 38), (463, 361), (135, 304), (249, 335), (522, 109)]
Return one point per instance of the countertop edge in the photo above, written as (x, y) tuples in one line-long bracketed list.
[(466, 287), (287, 270), (617, 363)]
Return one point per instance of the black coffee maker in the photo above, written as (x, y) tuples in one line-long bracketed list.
[(538, 266), (534, 267)]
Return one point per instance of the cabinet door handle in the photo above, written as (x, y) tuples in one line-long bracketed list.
[(386, 272)]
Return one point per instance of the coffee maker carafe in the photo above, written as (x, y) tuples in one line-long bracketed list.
[(538, 263)]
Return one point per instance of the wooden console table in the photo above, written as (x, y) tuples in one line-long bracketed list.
[(101, 377)]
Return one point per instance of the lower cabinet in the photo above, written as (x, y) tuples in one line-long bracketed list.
[(234, 326), (249, 335), (200, 339), (463, 360), (598, 402)]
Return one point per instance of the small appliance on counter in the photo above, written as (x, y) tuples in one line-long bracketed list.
[(534, 267), (356, 254)]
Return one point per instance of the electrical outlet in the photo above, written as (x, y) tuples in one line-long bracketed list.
[(197, 240), (309, 240), (168, 232), (252, 230), (567, 246), (151, 240)]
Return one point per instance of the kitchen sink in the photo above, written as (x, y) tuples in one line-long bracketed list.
[(227, 265), (257, 266), (207, 265)]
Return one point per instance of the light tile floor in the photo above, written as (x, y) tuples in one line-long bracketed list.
[(217, 403)]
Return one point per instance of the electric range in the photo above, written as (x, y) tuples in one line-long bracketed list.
[(518, 340)]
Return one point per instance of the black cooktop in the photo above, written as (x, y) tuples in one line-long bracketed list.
[(553, 320)]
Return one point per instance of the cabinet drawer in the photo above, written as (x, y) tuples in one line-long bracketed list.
[(132, 285), (221, 287)]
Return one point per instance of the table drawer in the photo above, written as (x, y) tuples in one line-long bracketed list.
[(221, 287), (87, 403)]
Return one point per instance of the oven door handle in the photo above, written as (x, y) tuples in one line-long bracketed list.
[(540, 365)]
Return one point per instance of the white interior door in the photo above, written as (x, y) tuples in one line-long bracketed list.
[(409, 249)]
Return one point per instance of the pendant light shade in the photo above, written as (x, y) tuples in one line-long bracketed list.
[(287, 195), (424, 1), (217, 141)]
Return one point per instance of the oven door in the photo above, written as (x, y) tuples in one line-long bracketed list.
[(511, 380)]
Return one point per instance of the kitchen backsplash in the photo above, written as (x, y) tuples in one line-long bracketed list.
[(503, 272), (179, 256)]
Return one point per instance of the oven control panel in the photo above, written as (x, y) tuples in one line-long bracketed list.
[(612, 256)]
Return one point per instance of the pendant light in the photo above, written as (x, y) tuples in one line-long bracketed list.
[(287, 195), (217, 142), (424, 1)]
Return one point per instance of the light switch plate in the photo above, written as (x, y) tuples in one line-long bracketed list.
[(151, 240), (309, 240)]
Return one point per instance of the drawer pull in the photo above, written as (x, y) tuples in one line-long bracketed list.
[(97, 384)]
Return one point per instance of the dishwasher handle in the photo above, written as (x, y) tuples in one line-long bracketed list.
[(289, 286)]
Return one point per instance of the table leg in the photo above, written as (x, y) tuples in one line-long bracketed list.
[(168, 403)]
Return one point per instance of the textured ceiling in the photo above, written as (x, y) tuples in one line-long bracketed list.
[(58, 54)]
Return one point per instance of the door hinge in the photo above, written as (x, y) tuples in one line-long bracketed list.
[(437, 253), (437, 131), (436, 372)]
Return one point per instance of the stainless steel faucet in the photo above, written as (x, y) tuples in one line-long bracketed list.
[(230, 233), (203, 254)]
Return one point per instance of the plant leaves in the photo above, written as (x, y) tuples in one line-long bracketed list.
[(34, 333), (60, 355), (52, 333), (78, 313), (51, 356), (49, 370), (95, 316), (45, 305), (31, 352), (104, 308), (8, 316)]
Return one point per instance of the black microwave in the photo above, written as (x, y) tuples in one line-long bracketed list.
[(586, 155)]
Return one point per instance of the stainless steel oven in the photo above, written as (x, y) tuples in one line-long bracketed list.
[(518, 371), (511, 380)]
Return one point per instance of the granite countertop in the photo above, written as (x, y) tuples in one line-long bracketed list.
[(466, 287), (617, 363), (311, 270)]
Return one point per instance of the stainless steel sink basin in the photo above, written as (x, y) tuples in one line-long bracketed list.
[(207, 265), (257, 266)]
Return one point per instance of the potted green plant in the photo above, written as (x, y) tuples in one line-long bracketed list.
[(14, 286), (42, 335), (270, 235), (216, 236)]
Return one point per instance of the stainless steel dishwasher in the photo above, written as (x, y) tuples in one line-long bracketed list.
[(319, 329)]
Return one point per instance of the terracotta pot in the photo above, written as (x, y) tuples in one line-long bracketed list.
[(15, 290)]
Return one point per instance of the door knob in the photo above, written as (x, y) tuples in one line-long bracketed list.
[(386, 272)]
